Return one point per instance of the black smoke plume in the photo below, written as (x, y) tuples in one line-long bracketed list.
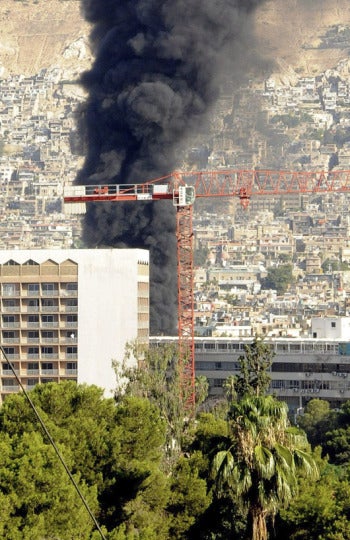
[(158, 68)]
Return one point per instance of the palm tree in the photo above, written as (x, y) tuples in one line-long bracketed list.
[(262, 458)]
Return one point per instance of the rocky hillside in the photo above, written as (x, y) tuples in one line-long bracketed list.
[(43, 33), (308, 36)]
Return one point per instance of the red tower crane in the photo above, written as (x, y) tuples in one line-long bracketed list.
[(183, 188)]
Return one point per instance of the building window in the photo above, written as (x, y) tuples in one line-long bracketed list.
[(10, 304), (333, 324), (33, 366), (72, 366), (47, 366), (10, 289), (6, 383), (72, 286), (33, 288), (8, 334), (49, 288), (6, 367), (46, 352)]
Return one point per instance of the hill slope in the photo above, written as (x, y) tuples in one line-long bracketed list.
[(42, 33)]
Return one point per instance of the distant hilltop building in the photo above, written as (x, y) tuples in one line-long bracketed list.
[(67, 314)]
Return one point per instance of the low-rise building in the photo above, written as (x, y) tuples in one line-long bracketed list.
[(303, 368)]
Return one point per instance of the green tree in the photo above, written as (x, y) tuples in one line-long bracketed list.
[(115, 450), (189, 497), (37, 499), (316, 421), (278, 278), (253, 378), (157, 378), (262, 457), (321, 510)]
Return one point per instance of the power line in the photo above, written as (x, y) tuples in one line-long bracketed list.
[(52, 442)]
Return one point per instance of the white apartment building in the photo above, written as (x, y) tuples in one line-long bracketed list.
[(67, 314), (303, 368)]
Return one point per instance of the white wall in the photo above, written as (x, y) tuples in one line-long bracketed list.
[(330, 327), (107, 303)]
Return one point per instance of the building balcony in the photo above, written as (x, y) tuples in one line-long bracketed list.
[(50, 293), (33, 325), (12, 357), (12, 388), (71, 372), (49, 372), (68, 294), (11, 309)]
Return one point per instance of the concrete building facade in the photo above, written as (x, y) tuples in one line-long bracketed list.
[(67, 314)]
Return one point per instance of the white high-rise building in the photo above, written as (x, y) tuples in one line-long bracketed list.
[(67, 314)]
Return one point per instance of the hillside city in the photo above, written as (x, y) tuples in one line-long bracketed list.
[(267, 269)]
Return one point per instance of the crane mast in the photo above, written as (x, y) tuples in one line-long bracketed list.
[(183, 188)]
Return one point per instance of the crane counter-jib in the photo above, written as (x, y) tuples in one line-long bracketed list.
[(76, 197)]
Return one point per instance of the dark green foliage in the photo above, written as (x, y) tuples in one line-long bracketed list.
[(317, 420), (328, 428), (278, 278), (321, 510)]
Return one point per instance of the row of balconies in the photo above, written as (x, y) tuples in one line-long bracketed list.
[(42, 309), (29, 384), (54, 357), (38, 325), (25, 293), (38, 340)]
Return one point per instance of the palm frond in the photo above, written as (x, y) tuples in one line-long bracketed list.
[(306, 464), (264, 461)]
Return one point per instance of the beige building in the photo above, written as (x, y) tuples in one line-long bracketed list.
[(67, 314)]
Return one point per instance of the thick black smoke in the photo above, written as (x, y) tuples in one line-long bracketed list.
[(159, 65)]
